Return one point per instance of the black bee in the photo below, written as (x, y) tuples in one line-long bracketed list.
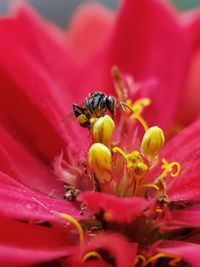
[(95, 106)]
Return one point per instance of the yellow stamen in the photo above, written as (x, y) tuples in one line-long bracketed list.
[(91, 254), (134, 161), (136, 108), (150, 186), (152, 142), (140, 257), (99, 160), (138, 105), (174, 258), (102, 130), (73, 221), (168, 168)]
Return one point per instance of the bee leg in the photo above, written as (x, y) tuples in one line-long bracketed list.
[(78, 110)]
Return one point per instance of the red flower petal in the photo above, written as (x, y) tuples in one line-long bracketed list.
[(25, 244), (24, 204), (89, 29), (19, 163), (185, 148), (35, 77), (187, 218), (112, 205), (190, 21), (149, 43), (188, 251)]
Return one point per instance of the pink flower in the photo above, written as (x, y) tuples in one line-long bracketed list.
[(147, 210)]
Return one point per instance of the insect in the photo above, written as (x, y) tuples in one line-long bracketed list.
[(95, 106)]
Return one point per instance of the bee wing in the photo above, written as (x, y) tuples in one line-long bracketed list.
[(68, 117)]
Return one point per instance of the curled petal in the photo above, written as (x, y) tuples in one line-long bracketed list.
[(24, 204)]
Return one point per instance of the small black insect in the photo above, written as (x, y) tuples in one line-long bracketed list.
[(95, 106)]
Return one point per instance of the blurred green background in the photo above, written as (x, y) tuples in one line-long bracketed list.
[(60, 11), (185, 4)]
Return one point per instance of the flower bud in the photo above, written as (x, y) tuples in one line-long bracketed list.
[(99, 160), (152, 142), (102, 130)]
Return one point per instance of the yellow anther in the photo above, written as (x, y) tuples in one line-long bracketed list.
[(134, 161), (99, 160), (174, 258), (73, 221), (91, 254), (102, 130), (152, 142)]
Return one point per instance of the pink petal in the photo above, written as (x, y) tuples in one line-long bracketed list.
[(112, 205), (89, 29), (187, 218), (5, 179), (23, 244), (149, 43), (24, 204), (190, 21), (116, 245), (35, 77), (188, 251), (19, 163), (185, 148)]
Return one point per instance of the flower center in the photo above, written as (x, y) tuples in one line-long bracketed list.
[(122, 162)]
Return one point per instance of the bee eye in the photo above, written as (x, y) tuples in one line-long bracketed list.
[(111, 104)]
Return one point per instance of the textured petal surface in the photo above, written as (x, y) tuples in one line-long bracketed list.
[(187, 218), (185, 148), (23, 204), (112, 205)]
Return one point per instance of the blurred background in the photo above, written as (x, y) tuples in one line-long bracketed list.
[(60, 11)]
